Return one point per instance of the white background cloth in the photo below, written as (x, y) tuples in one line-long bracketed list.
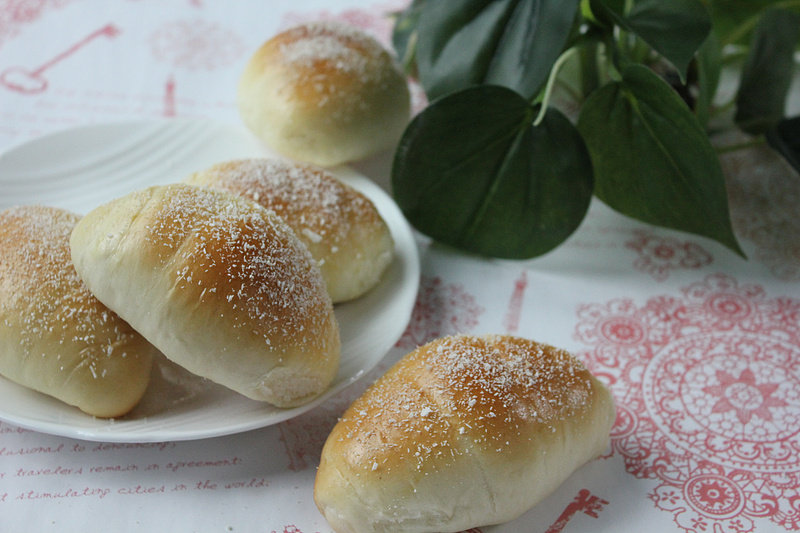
[(700, 347)]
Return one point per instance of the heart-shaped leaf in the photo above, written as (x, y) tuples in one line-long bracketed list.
[(674, 28), (732, 19), (474, 172), (709, 69), (607, 11), (767, 72), (513, 43), (652, 159)]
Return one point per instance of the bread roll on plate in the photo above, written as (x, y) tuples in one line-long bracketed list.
[(55, 337), (462, 432), (219, 284), (340, 226), (324, 93)]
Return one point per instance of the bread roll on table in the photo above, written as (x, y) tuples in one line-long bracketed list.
[(462, 432), (219, 284), (324, 93), (55, 337), (340, 226)]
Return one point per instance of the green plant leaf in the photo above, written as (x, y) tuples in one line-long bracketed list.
[(652, 159), (513, 43), (767, 72), (733, 20), (607, 11), (472, 171), (675, 28), (709, 69), (404, 35), (784, 137)]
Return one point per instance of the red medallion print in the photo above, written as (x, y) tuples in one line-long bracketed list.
[(16, 13), (708, 394), (658, 256), (715, 494), (196, 45), (441, 309)]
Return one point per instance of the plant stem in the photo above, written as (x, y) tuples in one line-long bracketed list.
[(548, 90)]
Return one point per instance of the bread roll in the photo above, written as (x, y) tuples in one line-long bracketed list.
[(324, 93), (462, 432), (55, 337), (219, 284), (340, 226)]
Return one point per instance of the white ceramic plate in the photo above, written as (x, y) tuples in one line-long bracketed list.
[(82, 168)]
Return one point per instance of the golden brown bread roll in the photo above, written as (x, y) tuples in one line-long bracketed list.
[(55, 337), (462, 432), (340, 226), (324, 93), (219, 284)]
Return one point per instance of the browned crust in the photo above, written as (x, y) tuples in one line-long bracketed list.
[(55, 336)]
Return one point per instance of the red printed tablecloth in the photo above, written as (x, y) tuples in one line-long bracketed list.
[(700, 348)]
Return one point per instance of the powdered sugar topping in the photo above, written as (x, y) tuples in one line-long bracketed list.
[(492, 392), (244, 259), (332, 66), (43, 299), (319, 208), (340, 47)]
